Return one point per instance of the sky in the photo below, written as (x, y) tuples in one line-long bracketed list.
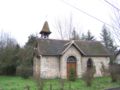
[(20, 18)]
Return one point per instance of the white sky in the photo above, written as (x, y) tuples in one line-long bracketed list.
[(20, 18)]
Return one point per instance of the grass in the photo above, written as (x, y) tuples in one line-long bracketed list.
[(18, 83)]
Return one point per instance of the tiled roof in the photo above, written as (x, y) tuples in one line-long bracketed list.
[(86, 48)]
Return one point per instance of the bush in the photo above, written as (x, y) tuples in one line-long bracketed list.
[(104, 70), (114, 72), (88, 76), (72, 74), (27, 87), (24, 71), (62, 84), (40, 84), (7, 69)]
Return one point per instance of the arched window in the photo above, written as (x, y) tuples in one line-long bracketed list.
[(89, 63), (71, 59)]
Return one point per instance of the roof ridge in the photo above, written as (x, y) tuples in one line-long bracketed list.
[(53, 39), (70, 40), (86, 41)]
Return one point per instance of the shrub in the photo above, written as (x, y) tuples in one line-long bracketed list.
[(7, 69), (88, 76), (40, 84), (114, 72), (24, 71), (62, 84), (104, 70), (27, 87), (72, 74)]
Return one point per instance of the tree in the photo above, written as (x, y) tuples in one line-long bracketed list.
[(32, 40), (88, 36), (26, 57), (88, 75), (8, 54), (108, 40), (28, 49), (75, 35), (109, 44), (6, 40), (116, 23), (66, 28)]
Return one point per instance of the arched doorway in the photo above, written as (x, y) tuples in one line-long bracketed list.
[(71, 66)]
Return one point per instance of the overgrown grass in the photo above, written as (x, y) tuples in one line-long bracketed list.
[(18, 83)]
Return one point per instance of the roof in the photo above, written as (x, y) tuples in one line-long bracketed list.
[(45, 28), (57, 47)]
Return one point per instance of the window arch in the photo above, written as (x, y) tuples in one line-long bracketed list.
[(71, 59), (89, 63)]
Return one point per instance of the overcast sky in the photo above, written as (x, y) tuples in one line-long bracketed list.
[(20, 18)]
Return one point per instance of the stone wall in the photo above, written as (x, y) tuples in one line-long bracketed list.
[(36, 67), (117, 59), (72, 51), (97, 61), (49, 67), (55, 66)]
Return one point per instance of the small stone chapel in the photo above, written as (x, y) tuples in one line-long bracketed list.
[(53, 58)]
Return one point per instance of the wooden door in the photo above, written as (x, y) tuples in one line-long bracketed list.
[(71, 65)]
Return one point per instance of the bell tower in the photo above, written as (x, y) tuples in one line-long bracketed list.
[(45, 32)]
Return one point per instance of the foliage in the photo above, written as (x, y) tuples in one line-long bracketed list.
[(28, 50), (104, 70), (114, 72), (99, 83), (25, 62), (72, 76), (32, 41), (62, 84), (24, 71), (40, 83), (88, 36), (8, 55), (108, 40), (75, 35), (16, 83), (26, 57), (13, 56), (88, 76)]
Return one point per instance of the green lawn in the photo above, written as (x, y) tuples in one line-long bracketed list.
[(18, 83)]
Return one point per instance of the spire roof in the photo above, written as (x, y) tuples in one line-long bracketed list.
[(45, 28)]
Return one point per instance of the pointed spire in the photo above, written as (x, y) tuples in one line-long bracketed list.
[(45, 30)]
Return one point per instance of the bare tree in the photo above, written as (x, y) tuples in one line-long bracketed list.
[(66, 28), (6, 40), (116, 24)]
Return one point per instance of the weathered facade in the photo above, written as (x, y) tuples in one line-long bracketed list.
[(117, 57), (50, 66), (53, 58)]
